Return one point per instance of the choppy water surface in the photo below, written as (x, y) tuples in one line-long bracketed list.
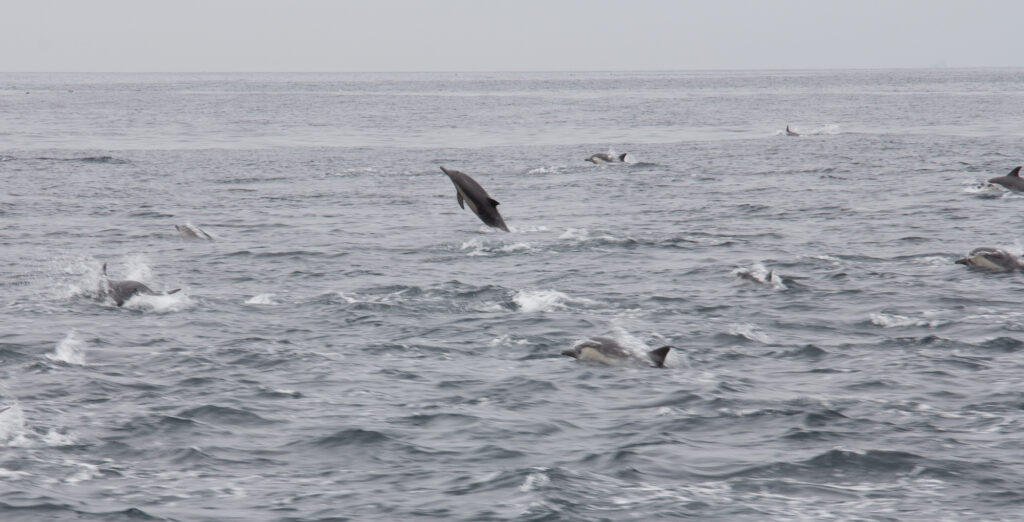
[(353, 345)]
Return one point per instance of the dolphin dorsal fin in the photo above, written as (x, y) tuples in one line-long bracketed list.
[(104, 269), (1015, 172), (658, 356), (493, 201), (622, 157)]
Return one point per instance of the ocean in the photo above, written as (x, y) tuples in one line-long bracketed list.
[(352, 345)]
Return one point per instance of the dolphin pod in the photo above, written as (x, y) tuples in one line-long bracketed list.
[(606, 350), (601, 157), (469, 192), (1011, 181), (123, 290)]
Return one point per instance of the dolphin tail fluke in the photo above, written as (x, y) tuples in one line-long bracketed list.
[(658, 356), (622, 157), (1015, 172)]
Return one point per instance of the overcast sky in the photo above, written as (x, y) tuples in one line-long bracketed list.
[(494, 35)]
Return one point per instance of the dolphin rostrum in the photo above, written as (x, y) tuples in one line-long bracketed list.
[(608, 351), (994, 259), (601, 157), (1011, 181), (469, 192), (123, 290)]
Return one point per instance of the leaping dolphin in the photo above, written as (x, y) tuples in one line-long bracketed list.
[(191, 231), (601, 157), (1011, 181), (469, 192), (994, 259), (123, 290), (608, 351)]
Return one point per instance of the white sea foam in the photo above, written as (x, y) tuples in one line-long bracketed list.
[(536, 480), (483, 247), (544, 170), (894, 321), (751, 332), (69, 350), (12, 423), (262, 299), (545, 300), (160, 304), (540, 300)]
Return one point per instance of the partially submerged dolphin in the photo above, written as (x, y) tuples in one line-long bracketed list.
[(469, 192), (994, 259), (123, 290), (769, 279), (601, 157), (1011, 181), (608, 351), (192, 232), (791, 133)]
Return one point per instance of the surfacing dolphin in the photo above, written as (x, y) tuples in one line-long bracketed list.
[(191, 231), (123, 290), (791, 133), (469, 192), (1011, 181), (601, 157), (994, 259), (608, 351)]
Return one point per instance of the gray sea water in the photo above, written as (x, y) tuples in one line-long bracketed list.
[(354, 346)]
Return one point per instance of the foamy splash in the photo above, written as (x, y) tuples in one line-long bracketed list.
[(894, 321), (530, 301), (14, 433), (262, 299), (69, 350), (160, 304)]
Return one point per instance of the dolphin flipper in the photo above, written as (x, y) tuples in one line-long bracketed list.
[(493, 201), (458, 195)]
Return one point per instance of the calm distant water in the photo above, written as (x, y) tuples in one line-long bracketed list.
[(354, 346)]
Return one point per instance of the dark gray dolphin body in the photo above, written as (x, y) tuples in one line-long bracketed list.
[(469, 192), (1011, 181), (608, 351), (791, 133), (601, 157), (192, 232), (994, 259), (123, 290)]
